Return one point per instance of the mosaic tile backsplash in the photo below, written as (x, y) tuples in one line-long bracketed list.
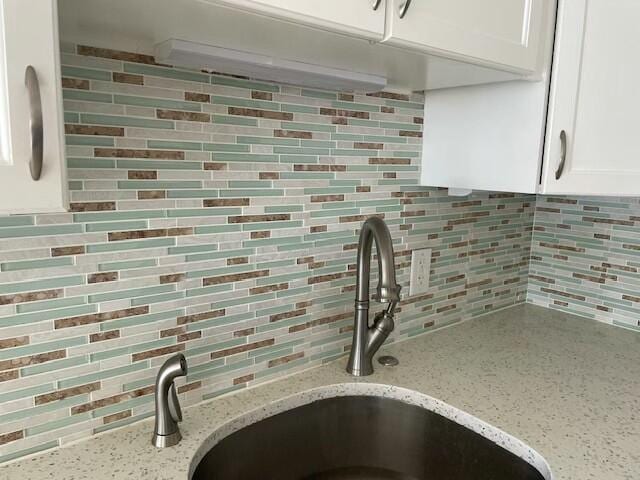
[(219, 217), (586, 256)]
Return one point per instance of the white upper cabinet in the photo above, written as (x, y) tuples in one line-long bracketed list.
[(594, 100), (503, 34), (363, 18), (31, 123)]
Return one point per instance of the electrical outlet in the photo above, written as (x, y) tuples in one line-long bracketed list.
[(420, 269)]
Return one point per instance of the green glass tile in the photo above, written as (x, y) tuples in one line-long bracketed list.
[(158, 165), (34, 264), (222, 391), (235, 120), (363, 123), (242, 252), (117, 226), (347, 136), (343, 152), (263, 242), (318, 94), (132, 292), (245, 102), (199, 193), (276, 264), (196, 292), (91, 140), (267, 140), (57, 424), (359, 107), (281, 368), (327, 190), (213, 272), (45, 284), (16, 221), (75, 185), (306, 175), (38, 231), (243, 300), (70, 117), (139, 319), (318, 143), (38, 316), (255, 226), (294, 246), (252, 193), (243, 157), (122, 422), (225, 147), (26, 392), (384, 139), (216, 322), (283, 209), (88, 73), (298, 159), (122, 121), (310, 127), (131, 245), (115, 216), (335, 213), (53, 366), (29, 451), (87, 96), (401, 126), (301, 151), (402, 104), (103, 374), (151, 299), (287, 107), (51, 305), (157, 103), (125, 405), (75, 162), (126, 264), (204, 229), (174, 145), (166, 72), (157, 184), (192, 249), (62, 343), (237, 82), (283, 278)]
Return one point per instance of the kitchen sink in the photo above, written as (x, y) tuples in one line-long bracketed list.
[(367, 437)]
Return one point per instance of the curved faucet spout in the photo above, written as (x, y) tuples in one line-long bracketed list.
[(168, 413), (368, 339)]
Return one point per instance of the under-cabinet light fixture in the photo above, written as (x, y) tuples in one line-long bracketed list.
[(182, 53)]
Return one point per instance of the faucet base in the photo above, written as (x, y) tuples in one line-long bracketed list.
[(162, 441), (363, 371)]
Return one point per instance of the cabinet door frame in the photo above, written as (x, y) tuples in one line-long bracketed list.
[(30, 37), (563, 115), (309, 12), (442, 38)]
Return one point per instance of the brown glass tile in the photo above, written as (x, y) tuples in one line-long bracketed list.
[(11, 437), (318, 228), (269, 175), (132, 78), (179, 231), (112, 400), (235, 277), (151, 194), (260, 218), (181, 115), (197, 97), (329, 277), (64, 251), (172, 278), (100, 317), (136, 234), (8, 375), (339, 121), (286, 359), (142, 175), (30, 296), (13, 342), (102, 336), (196, 317), (256, 95), (66, 393), (268, 288), (72, 129), (346, 97), (384, 109), (244, 333), (172, 332), (410, 133), (115, 54), (92, 206), (102, 277), (215, 166), (368, 145), (157, 352), (390, 95), (292, 134), (251, 112), (114, 417), (285, 315), (237, 260), (185, 337), (242, 348), (389, 161), (190, 386), (77, 83), (31, 360), (262, 234), (327, 198), (226, 202), (243, 379), (333, 112)]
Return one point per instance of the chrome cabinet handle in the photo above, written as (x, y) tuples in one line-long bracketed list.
[(376, 4), (35, 122), (403, 7), (563, 154)]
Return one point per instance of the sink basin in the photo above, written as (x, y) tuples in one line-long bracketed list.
[(360, 435)]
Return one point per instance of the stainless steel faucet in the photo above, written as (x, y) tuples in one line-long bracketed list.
[(368, 339), (168, 413)]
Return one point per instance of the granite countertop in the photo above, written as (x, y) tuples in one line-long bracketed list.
[(566, 386)]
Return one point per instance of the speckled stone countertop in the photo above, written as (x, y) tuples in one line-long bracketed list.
[(566, 386)]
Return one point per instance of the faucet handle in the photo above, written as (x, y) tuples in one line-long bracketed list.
[(174, 404)]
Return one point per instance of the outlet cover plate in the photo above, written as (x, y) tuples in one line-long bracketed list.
[(420, 269)]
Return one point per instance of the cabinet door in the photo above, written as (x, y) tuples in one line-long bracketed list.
[(504, 34), (364, 18), (28, 36), (594, 100)]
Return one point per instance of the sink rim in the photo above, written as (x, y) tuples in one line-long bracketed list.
[(354, 389)]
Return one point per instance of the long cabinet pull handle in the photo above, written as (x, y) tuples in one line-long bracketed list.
[(35, 122), (563, 154), (403, 8), (376, 4)]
